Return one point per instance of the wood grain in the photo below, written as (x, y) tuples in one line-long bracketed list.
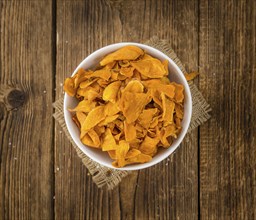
[(26, 177), (82, 27), (227, 142), (167, 191), (211, 176)]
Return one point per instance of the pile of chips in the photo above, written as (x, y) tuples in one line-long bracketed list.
[(127, 107)]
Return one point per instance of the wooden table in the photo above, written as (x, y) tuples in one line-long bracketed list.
[(213, 174)]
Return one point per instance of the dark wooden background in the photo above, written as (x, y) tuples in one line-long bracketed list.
[(213, 174)]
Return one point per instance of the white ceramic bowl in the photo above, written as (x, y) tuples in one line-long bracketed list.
[(175, 75)]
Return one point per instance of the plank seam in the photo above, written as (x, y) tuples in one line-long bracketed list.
[(54, 58)]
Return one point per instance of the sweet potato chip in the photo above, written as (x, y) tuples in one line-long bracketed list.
[(93, 118), (127, 71), (146, 117), (87, 83), (121, 152), (69, 87), (160, 86), (112, 154), (125, 53), (108, 142), (134, 86), (132, 153), (165, 63), (191, 76), (129, 131), (84, 106), (166, 132), (140, 158), (150, 67), (132, 105), (102, 73), (111, 109), (108, 120), (110, 92), (81, 76), (179, 111), (168, 109), (81, 117), (179, 92), (149, 146), (94, 137)]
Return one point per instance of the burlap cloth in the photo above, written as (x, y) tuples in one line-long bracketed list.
[(109, 178)]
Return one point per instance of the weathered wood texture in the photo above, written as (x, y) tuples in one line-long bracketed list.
[(41, 43), (167, 191), (227, 142), (26, 152)]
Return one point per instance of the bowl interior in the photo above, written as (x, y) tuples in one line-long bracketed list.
[(175, 76)]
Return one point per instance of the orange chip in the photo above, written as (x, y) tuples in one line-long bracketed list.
[(108, 142), (127, 71), (191, 76), (84, 106), (87, 83), (146, 117), (149, 146), (124, 63), (179, 92), (132, 153), (112, 154), (93, 118), (121, 152), (132, 105), (118, 136), (165, 63), (125, 53), (69, 86), (81, 117), (166, 132), (110, 65), (111, 109), (179, 111), (81, 76), (134, 86), (94, 137), (102, 73), (110, 92), (108, 120), (99, 130), (140, 158), (129, 131), (150, 67), (160, 86), (91, 139), (168, 109)]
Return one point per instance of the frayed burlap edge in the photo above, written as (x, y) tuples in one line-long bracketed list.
[(109, 178)]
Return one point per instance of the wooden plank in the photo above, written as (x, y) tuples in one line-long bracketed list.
[(82, 27), (26, 175), (165, 191), (169, 190), (227, 142)]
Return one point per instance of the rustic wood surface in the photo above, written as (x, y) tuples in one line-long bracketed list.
[(211, 176)]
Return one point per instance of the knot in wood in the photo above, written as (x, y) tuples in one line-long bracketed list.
[(1, 111), (16, 98)]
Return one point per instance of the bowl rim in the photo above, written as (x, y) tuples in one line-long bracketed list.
[(181, 136)]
